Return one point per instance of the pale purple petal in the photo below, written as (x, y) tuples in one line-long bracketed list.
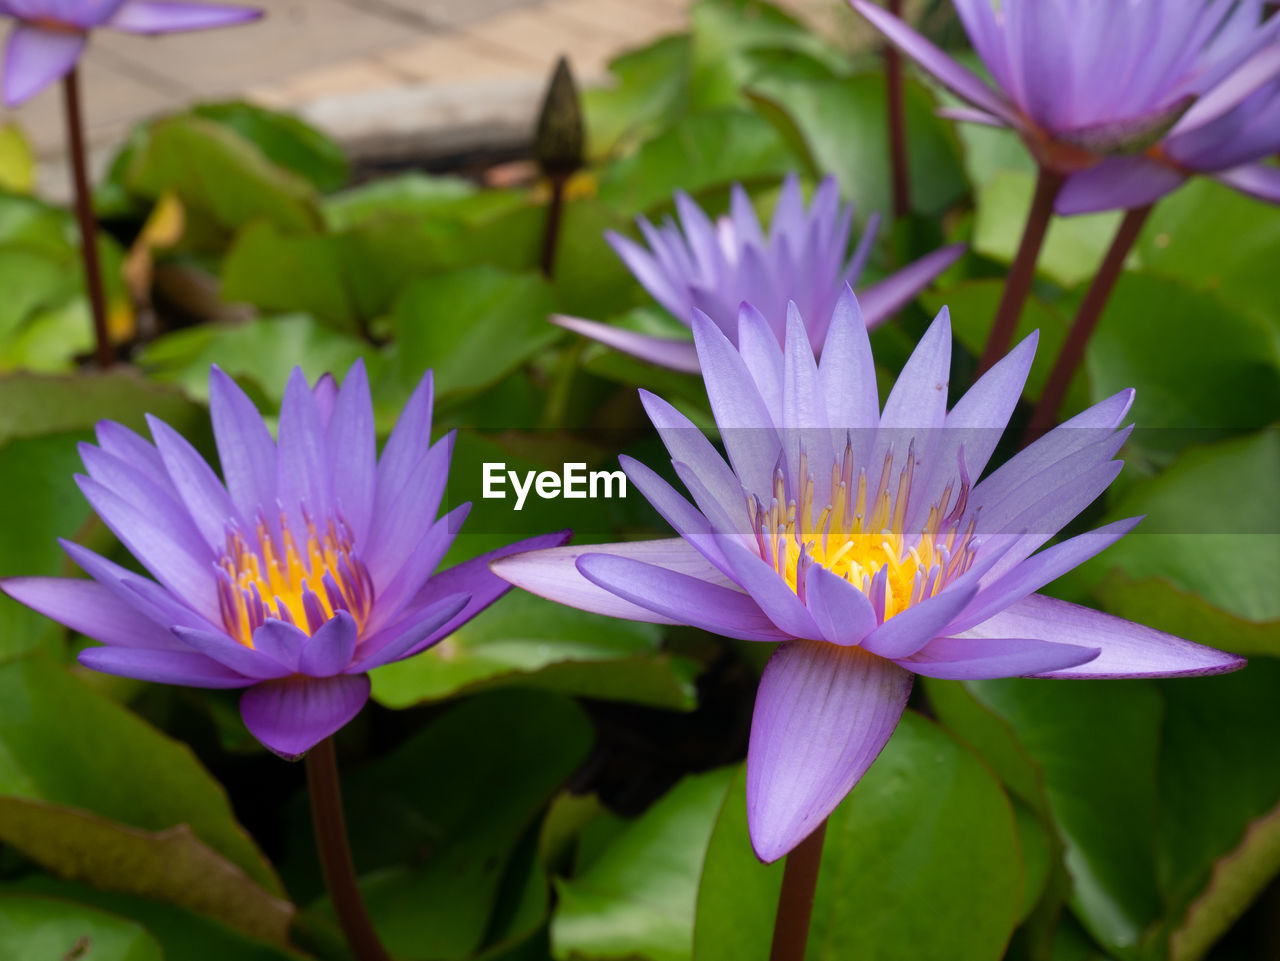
[(325, 395), (231, 653), (882, 300), (1259, 69), (680, 597), (89, 608), (650, 273), (280, 641), (140, 593), (329, 650), (1260, 181), (36, 57), (974, 659), (847, 371), (770, 592), (409, 636), (841, 611), (293, 715), (1128, 649), (352, 444), (205, 498), (302, 474), (246, 449), (960, 80), (664, 351), (685, 519), (1117, 183), (758, 345), (688, 445), (162, 667), (918, 400), (409, 441), (401, 521), (908, 631), (157, 16), (823, 713)]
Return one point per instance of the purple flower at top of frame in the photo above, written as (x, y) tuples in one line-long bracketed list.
[(714, 266), (50, 35), (311, 562), (858, 538), (1080, 80)]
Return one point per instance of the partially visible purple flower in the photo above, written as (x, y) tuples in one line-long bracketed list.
[(1081, 79), (306, 566), (715, 266), (50, 35), (1224, 135), (856, 537)]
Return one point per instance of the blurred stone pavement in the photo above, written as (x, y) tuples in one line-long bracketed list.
[(384, 77)]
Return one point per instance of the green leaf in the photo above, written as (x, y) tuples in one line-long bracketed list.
[(64, 744), (700, 151), (638, 898), (263, 351), (441, 817), (472, 327), (842, 123), (46, 928), (1097, 745), (182, 934), (285, 140), (32, 405), (17, 162), (644, 97), (409, 195), (1211, 527), (214, 169), (277, 271), (1217, 369), (1073, 248), (921, 862), (525, 640)]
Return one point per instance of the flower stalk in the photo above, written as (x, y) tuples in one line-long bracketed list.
[(795, 903), (104, 353), (897, 124), (325, 791), (1022, 273), (1085, 323)]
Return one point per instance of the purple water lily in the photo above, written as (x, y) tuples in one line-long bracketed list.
[(50, 35), (715, 266), (1224, 135), (857, 538), (307, 566), (1079, 79)]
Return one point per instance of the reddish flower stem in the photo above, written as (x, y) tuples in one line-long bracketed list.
[(897, 124), (1023, 272), (330, 827), (795, 904), (551, 233), (104, 353), (1086, 322)]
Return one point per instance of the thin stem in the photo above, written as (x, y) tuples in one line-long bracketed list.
[(897, 124), (795, 905), (1086, 322), (335, 853), (551, 237), (104, 353), (1023, 272)]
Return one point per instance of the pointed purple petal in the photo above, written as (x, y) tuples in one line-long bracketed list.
[(823, 713), (652, 277), (882, 300), (1128, 649), (293, 715), (409, 441), (1261, 181), (281, 642), (1117, 183), (688, 445), (664, 351), (302, 469), (36, 57), (402, 521), (847, 370), (144, 595), (410, 635), (205, 498), (684, 518), (329, 650), (841, 611), (975, 659), (352, 444), (231, 653), (89, 608), (157, 16), (770, 592), (162, 667), (684, 599), (246, 450), (960, 80), (908, 631)]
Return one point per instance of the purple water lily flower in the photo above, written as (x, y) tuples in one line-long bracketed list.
[(309, 564), (1080, 79), (857, 538), (1224, 135), (714, 267), (50, 35)]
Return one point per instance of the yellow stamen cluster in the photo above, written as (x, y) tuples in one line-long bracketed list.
[(860, 535), (276, 577)]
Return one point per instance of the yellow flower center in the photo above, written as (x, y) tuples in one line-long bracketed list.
[(861, 534), (303, 584)]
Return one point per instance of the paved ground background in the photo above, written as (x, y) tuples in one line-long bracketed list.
[(376, 74)]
